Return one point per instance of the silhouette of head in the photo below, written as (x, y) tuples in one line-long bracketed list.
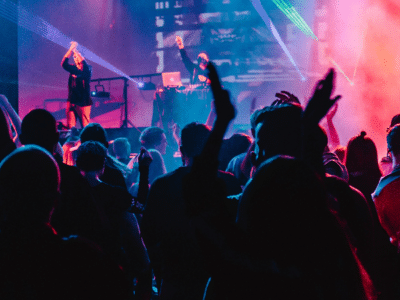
[(122, 148), (94, 132), (193, 139), (154, 138), (29, 185), (361, 154), (395, 120), (91, 156), (393, 140), (278, 131), (39, 128), (202, 60), (78, 61), (237, 144)]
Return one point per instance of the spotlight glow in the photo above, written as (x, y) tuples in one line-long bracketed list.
[(23, 18)]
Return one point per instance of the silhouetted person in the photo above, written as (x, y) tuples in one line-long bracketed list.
[(121, 236), (198, 73), (386, 194), (153, 139), (36, 263), (283, 215), (167, 229), (75, 212), (122, 150), (362, 164), (113, 172), (237, 144)]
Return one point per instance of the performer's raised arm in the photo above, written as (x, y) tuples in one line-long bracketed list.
[(69, 52), (189, 65), (179, 41)]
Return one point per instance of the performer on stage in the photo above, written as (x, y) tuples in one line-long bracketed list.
[(79, 100), (198, 72)]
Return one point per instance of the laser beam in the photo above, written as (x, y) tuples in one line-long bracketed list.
[(264, 16), (290, 12), (25, 19), (340, 70)]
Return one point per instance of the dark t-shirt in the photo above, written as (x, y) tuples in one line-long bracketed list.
[(76, 212), (111, 202), (113, 176), (78, 83), (167, 224)]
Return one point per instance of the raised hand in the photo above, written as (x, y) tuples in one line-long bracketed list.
[(321, 101), (145, 158), (73, 46), (224, 108), (331, 113), (179, 41)]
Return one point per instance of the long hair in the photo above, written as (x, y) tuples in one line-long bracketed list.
[(362, 156)]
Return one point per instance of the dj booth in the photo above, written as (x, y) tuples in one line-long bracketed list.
[(181, 105)]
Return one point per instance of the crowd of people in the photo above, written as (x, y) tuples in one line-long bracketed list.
[(284, 212)]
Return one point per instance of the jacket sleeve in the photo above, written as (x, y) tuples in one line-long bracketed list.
[(189, 65)]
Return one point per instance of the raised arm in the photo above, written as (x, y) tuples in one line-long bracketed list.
[(145, 160), (179, 41), (202, 189), (12, 114), (211, 115), (189, 65), (225, 113), (67, 55), (333, 136), (314, 139)]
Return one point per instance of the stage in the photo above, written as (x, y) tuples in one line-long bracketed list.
[(258, 48)]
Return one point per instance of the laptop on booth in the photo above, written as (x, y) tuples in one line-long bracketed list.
[(171, 79)]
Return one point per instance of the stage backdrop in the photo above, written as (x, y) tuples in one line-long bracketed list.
[(138, 37)]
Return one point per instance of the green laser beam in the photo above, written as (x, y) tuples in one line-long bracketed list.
[(291, 13), (340, 70)]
